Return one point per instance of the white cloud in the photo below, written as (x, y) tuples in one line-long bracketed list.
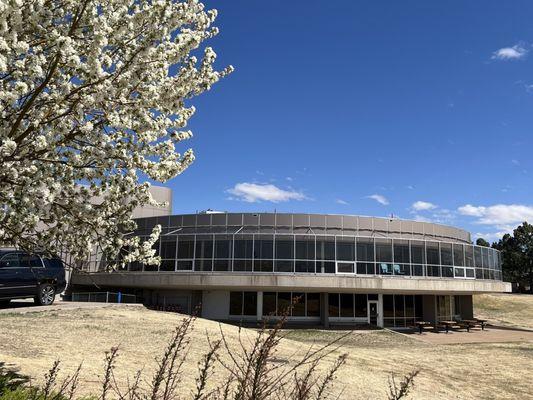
[(341, 201), (502, 216), (379, 198), (510, 53), (255, 192), (423, 206)]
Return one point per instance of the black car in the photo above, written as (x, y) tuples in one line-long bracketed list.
[(23, 275)]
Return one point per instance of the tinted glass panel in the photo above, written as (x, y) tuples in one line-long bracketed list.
[(384, 269), (345, 268), (223, 246), (305, 247), (269, 303), (242, 265), (167, 265), (432, 253), (313, 304), (264, 247), (186, 247), (477, 257), (298, 309), (243, 246), (305, 266), (433, 270), (250, 303), (10, 261), (283, 266), (168, 247), (284, 247), (345, 249), (27, 261), (360, 306), (383, 250), (325, 267), (365, 268), (204, 246), (446, 254), (458, 255), (401, 251), (365, 249), (418, 252), (333, 301), (447, 272), (399, 306), (347, 305), (388, 306), (485, 253), (325, 248), (235, 303), (469, 256), (284, 302)]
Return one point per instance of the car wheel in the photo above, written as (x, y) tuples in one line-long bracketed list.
[(45, 295)]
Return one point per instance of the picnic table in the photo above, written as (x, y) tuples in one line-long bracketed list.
[(452, 324), (476, 321), (421, 325)]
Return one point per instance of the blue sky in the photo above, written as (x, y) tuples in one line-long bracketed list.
[(420, 109)]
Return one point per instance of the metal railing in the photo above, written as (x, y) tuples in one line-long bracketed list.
[(104, 297)]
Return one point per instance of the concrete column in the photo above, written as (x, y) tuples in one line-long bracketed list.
[(324, 309), (259, 315), (380, 310)]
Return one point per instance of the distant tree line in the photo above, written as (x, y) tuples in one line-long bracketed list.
[(517, 256)]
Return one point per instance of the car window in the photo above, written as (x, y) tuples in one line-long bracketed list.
[(53, 263), (27, 260), (9, 261)]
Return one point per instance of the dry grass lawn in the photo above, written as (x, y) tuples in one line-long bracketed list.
[(468, 371), (505, 309)]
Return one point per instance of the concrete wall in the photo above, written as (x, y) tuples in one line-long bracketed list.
[(303, 282), (215, 304), (160, 194)]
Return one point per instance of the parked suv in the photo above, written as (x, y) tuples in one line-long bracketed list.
[(23, 275)]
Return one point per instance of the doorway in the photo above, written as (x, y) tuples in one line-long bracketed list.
[(373, 313)]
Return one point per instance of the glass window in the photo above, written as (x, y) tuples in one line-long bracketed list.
[(477, 257), (223, 246), (184, 265), (298, 308), (345, 248), (345, 268), (485, 254), (401, 251), (284, 247), (446, 254), (10, 261), (263, 266), (401, 269), (242, 265), (460, 272), (418, 252), (305, 266), (167, 265), (235, 303), (185, 246), (283, 266), (409, 306), (204, 246), (399, 311), (458, 255), (333, 302), (360, 306), (469, 255), (469, 272), (447, 272), (249, 303), (432, 253), (221, 265), (264, 247), (284, 303), (202, 264), (365, 268), (325, 267), (365, 249), (325, 248), (244, 245), (305, 247), (346, 305), (433, 270), (383, 250), (388, 306), (384, 269), (417, 269), (269, 303), (313, 304), (168, 247), (27, 261)]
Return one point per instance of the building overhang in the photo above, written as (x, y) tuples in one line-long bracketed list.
[(288, 282)]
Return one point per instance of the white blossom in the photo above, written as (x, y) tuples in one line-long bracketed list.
[(88, 106)]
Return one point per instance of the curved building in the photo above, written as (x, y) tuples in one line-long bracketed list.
[(342, 268)]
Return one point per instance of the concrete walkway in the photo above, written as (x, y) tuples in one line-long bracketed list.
[(27, 306), (491, 334)]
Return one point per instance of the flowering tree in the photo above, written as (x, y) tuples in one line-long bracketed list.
[(93, 98)]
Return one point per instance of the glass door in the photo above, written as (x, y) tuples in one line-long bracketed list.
[(373, 312)]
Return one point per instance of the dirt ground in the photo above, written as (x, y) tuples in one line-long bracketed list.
[(460, 371)]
